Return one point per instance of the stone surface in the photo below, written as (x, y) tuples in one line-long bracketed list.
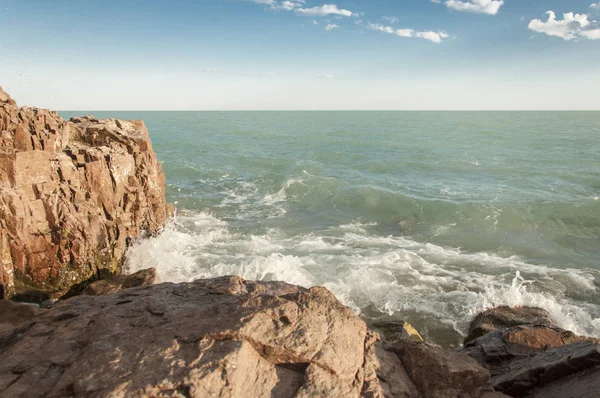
[(105, 282), (585, 384), (72, 195), (222, 337), (522, 358), (504, 316), (549, 366), (393, 331), (440, 373)]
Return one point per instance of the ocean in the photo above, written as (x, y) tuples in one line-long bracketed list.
[(427, 217)]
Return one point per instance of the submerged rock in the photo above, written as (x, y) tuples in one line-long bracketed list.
[(222, 337), (72, 195)]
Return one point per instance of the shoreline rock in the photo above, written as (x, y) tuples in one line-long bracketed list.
[(525, 352), (73, 194), (222, 337)]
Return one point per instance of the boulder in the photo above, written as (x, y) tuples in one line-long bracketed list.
[(441, 373), (505, 316), (222, 337), (73, 194), (525, 359)]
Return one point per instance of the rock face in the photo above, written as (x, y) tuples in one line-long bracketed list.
[(535, 357), (222, 337), (72, 195), (502, 317)]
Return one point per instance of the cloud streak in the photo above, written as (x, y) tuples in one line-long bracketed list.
[(298, 6), (436, 37), (490, 7)]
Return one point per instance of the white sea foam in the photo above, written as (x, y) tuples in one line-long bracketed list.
[(391, 275)]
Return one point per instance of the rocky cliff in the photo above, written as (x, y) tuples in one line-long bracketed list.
[(72, 196)]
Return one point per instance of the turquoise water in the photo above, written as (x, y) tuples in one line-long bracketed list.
[(423, 216)]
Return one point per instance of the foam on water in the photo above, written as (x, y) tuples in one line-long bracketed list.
[(439, 289)]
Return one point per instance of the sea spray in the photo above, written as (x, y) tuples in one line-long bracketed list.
[(438, 289)]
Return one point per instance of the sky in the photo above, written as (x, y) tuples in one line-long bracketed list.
[(302, 54)]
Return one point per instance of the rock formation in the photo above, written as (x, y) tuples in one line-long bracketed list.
[(526, 353), (72, 195), (222, 337)]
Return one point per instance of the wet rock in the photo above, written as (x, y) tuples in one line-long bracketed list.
[(550, 366), (585, 384), (72, 196), (522, 358), (504, 316)]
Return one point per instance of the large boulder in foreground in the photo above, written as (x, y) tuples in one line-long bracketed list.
[(222, 337), (72, 195)]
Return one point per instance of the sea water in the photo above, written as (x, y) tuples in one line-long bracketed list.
[(429, 217)]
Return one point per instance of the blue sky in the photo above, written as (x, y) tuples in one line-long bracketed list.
[(301, 54)]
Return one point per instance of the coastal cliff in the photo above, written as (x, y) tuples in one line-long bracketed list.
[(73, 194)]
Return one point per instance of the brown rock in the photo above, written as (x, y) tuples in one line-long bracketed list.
[(551, 366), (17, 313), (585, 384), (114, 283), (218, 337), (73, 194), (437, 372), (222, 337), (504, 316), (524, 357)]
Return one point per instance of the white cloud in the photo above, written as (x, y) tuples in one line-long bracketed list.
[(572, 26), (327, 9), (490, 7), (595, 5), (331, 27), (315, 22), (297, 6), (436, 37)]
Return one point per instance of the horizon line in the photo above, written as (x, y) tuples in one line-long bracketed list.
[(328, 110)]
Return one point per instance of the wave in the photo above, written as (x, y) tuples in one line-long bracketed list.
[(437, 288)]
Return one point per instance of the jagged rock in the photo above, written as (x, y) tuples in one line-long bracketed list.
[(222, 337), (521, 358), (549, 366), (505, 316), (72, 195)]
